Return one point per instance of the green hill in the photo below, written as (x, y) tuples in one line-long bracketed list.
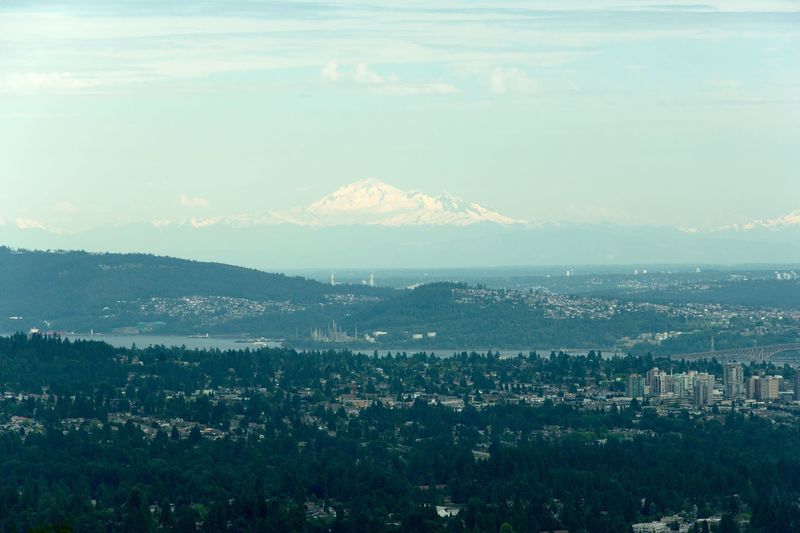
[(82, 291)]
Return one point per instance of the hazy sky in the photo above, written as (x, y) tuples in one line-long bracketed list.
[(685, 114)]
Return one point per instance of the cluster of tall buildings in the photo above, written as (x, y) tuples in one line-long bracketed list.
[(764, 387), (786, 276), (699, 387), (696, 386), (758, 386)]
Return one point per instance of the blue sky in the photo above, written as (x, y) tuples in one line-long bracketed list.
[(682, 114)]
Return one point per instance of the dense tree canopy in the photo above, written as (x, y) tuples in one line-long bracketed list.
[(539, 467)]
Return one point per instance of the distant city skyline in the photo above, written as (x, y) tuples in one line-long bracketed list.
[(680, 115)]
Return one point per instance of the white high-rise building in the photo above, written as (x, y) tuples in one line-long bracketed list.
[(769, 388), (681, 384), (703, 389), (734, 381), (763, 388), (657, 380)]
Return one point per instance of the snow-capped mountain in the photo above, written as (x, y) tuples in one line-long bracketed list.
[(785, 221), (374, 202), (243, 220), (372, 223), (368, 202)]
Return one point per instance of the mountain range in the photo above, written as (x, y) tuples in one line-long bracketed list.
[(375, 225), (369, 202)]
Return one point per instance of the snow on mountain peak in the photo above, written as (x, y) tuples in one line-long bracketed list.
[(370, 195), (790, 219), (365, 202), (782, 222), (374, 202)]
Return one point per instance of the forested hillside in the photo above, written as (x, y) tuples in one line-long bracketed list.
[(138, 293), (82, 291)]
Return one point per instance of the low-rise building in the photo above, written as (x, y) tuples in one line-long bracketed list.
[(650, 527)]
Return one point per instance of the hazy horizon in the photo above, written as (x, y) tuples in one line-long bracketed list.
[(419, 266), (619, 112)]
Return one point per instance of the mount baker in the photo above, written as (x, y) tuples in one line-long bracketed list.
[(369, 202)]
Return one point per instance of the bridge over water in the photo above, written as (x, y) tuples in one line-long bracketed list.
[(744, 355)]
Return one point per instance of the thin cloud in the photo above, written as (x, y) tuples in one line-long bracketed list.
[(25, 223), (510, 80), (226, 40), (331, 71), (193, 201), (66, 208), (389, 84), (363, 74), (31, 82), (414, 89)]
